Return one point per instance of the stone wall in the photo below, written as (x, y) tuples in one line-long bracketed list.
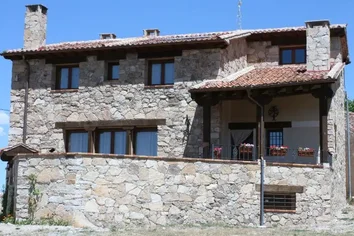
[(103, 191), (262, 54), (234, 57), (351, 130), (337, 144), (336, 50)]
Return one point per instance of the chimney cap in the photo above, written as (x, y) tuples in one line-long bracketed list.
[(312, 23), (108, 36), (151, 32), (35, 7)]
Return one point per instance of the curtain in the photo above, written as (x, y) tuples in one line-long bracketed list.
[(104, 145), (120, 142), (240, 135), (146, 143), (78, 142)]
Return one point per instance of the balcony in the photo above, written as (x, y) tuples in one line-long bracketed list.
[(281, 154)]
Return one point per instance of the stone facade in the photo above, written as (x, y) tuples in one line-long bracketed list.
[(127, 98), (262, 54), (102, 191), (318, 45), (35, 26)]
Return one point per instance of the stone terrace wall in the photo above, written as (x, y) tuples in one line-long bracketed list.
[(111, 190)]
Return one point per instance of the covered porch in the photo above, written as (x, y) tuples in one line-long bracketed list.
[(283, 122)]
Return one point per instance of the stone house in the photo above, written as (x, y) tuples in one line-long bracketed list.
[(160, 130)]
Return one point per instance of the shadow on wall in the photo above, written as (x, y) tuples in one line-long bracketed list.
[(192, 137)]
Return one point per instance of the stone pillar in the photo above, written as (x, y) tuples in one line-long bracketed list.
[(35, 26), (318, 45)]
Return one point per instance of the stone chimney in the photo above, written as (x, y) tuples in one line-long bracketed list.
[(35, 26), (318, 45), (107, 36), (151, 32)]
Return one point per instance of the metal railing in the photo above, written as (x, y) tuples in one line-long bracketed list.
[(232, 152), (249, 153)]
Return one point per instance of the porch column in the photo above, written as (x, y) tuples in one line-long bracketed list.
[(206, 130), (323, 102)]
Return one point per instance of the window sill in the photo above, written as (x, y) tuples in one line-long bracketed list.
[(158, 86), (279, 211), (64, 91)]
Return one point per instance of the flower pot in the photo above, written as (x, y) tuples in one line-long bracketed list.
[(217, 155), (304, 153), (281, 152), (246, 150)]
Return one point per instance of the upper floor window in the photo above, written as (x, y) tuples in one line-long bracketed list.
[(77, 141), (68, 77), (113, 71), (292, 55), (161, 72)]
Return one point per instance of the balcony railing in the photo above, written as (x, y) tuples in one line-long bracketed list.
[(273, 154), (232, 152)]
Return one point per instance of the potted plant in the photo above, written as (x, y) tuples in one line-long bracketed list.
[(217, 152), (246, 148), (305, 152), (278, 150)]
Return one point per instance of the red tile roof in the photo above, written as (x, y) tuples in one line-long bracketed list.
[(290, 29), (126, 42), (158, 40), (267, 77)]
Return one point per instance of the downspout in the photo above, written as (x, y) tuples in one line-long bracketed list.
[(24, 130), (261, 220), (349, 156)]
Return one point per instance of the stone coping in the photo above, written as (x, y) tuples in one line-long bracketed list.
[(64, 90), (169, 159), (158, 86)]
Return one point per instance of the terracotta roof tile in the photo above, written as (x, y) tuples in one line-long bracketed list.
[(267, 77), (138, 41), (158, 40)]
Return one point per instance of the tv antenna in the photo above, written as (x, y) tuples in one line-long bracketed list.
[(239, 14)]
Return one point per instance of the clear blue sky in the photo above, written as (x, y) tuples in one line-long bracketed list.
[(70, 20)]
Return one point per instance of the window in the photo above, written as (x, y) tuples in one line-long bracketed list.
[(279, 201), (68, 77), (275, 137), (161, 72), (292, 55), (113, 71), (112, 142), (77, 141), (145, 142), (117, 141)]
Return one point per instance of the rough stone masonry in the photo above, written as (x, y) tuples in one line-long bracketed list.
[(97, 190)]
